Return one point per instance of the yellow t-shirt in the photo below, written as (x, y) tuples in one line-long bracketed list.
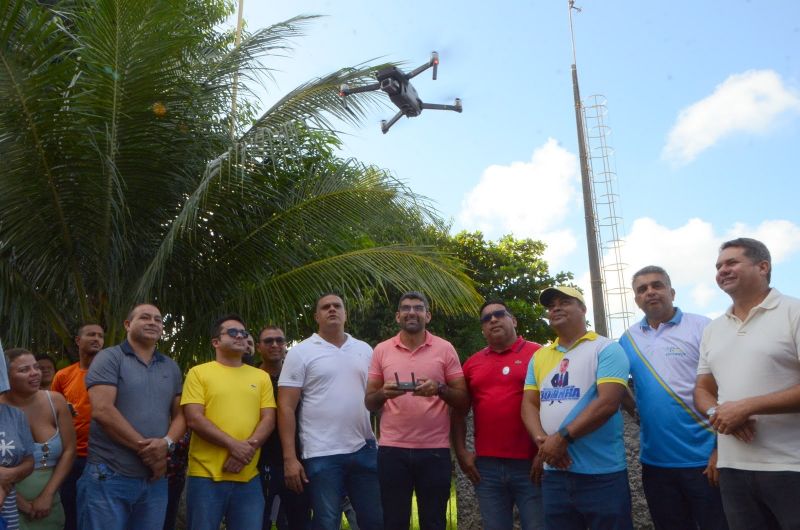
[(233, 399)]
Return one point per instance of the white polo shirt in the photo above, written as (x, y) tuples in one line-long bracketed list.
[(333, 418), (758, 356)]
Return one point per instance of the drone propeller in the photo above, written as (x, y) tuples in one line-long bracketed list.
[(435, 63)]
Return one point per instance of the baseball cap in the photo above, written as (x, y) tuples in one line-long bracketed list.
[(547, 295)]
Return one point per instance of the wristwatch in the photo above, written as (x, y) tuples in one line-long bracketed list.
[(441, 389), (170, 445), (710, 412), (564, 433)]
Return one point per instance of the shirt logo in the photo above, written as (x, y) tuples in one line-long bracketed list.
[(674, 351), (6, 450), (506, 370), (567, 393)]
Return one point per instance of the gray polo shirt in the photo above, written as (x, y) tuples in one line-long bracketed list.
[(144, 397)]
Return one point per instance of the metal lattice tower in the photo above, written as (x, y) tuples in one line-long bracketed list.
[(608, 214)]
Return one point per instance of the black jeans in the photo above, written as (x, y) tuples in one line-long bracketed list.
[(755, 500), (294, 510), (682, 498), (402, 471), (69, 493)]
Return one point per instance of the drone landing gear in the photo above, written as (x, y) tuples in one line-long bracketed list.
[(386, 125)]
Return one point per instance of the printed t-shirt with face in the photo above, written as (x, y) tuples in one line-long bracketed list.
[(593, 360)]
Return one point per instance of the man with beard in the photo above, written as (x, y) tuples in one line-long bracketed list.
[(135, 393), (414, 449), (69, 381)]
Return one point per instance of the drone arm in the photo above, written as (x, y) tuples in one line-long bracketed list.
[(416, 71), (433, 62), (346, 91), (386, 125), (436, 106)]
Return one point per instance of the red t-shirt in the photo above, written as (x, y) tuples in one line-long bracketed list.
[(496, 381)]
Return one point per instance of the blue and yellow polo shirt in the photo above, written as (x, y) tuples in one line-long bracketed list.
[(567, 380)]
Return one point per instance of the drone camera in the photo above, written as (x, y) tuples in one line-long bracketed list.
[(390, 86)]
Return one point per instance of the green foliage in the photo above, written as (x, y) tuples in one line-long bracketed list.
[(510, 269), (124, 181)]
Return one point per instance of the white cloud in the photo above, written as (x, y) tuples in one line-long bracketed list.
[(688, 253), (746, 102), (528, 199), (781, 237)]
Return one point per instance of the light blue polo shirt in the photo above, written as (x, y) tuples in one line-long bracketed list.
[(673, 433)]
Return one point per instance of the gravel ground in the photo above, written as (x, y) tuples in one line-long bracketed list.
[(469, 518)]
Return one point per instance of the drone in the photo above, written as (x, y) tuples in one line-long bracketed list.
[(402, 93)]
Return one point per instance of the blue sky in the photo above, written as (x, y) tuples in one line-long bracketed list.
[(703, 104)]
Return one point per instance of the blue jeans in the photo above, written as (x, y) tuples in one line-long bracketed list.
[(504, 483), (760, 499), (332, 477), (682, 499), (577, 501), (401, 472), (241, 504), (110, 501)]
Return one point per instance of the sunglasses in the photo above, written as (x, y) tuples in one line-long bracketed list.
[(500, 313), (233, 333), (273, 340)]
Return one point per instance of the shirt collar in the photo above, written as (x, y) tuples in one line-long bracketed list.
[(399, 344), (674, 321), (127, 349), (589, 335), (515, 347), (319, 340), (769, 302)]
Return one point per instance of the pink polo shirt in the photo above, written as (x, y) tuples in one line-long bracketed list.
[(410, 421)]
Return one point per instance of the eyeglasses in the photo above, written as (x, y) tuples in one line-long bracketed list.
[(500, 313), (274, 340), (410, 308), (233, 333)]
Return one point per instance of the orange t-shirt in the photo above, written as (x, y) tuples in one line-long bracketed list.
[(69, 381)]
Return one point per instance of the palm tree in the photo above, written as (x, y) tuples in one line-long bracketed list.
[(121, 181)]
